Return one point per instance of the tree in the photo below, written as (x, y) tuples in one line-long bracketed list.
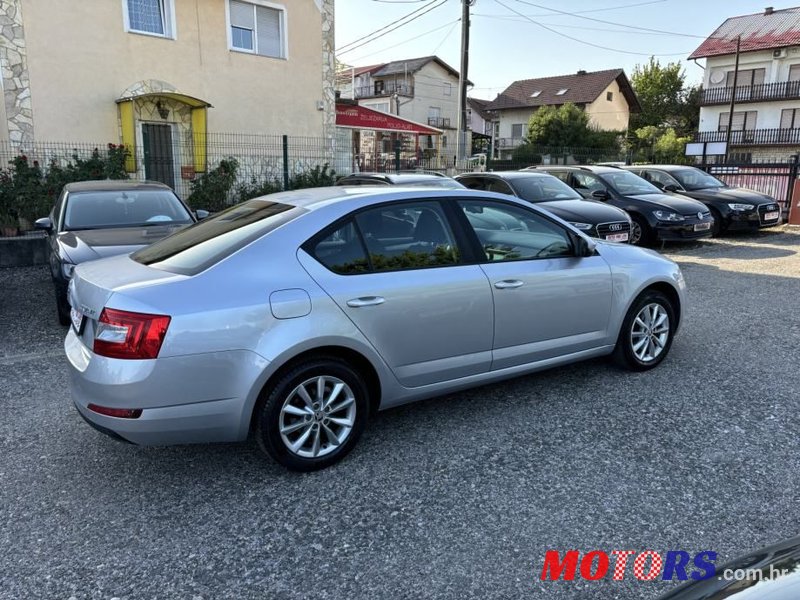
[(660, 90), (661, 145), (564, 126)]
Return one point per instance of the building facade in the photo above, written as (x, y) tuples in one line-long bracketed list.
[(606, 96), (164, 74), (766, 113)]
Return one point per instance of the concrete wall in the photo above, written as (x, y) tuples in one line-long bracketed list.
[(609, 115), (80, 59)]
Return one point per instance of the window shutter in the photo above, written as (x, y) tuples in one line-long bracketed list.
[(242, 15), (794, 73), (738, 121), (787, 116), (758, 76), (268, 30), (750, 119)]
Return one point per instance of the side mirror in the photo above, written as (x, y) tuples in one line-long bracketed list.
[(44, 223), (584, 247), (600, 194), (201, 214), (670, 187)]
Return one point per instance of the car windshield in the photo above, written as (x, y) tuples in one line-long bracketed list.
[(123, 208), (628, 184), (538, 188), (695, 179), (196, 248)]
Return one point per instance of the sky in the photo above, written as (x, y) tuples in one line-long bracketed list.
[(505, 46)]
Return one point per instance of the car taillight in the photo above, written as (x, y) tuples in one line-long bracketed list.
[(119, 413), (123, 334)]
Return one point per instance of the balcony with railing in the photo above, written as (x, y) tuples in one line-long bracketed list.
[(753, 137), (439, 122), (385, 88), (763, 92), (506, 143)]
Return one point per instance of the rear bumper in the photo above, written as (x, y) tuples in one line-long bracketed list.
[(188, 399)]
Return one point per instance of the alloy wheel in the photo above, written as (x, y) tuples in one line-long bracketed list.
[(317, 416), (650, 332), (636, 233)]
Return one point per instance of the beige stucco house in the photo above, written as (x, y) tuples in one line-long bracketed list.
[(152, 73), (606, 96)]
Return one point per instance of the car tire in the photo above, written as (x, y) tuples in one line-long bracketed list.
[(285, 414), (62, 307), (718, 228), (641, 232), (651, 306)]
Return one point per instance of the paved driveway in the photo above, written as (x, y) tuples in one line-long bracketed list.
[(457, 497)]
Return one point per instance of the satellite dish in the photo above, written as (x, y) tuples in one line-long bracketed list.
[(717, 77)]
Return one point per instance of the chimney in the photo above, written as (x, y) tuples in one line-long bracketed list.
[(581, 72), (769, 10)]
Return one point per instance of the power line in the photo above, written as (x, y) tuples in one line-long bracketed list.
[(606, 8), (374, 52), (580, 41), (569, 14), (519, 20), (446, 35), (385, 29)]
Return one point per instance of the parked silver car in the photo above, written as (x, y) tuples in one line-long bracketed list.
[(294, 315)]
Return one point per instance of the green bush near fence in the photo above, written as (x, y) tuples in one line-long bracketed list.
[(217, 189), (28, 190)]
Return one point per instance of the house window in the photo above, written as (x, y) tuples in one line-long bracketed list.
[(382, 107), (794, 73), (516, 130), (790, 118), (152, 17), (448, 89), (444, 141), (562, 91), (610, 96), (258, 28), (742, 121), (747, 77)]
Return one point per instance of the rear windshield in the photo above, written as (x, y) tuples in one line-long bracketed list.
[(204, 244), (123, 208)]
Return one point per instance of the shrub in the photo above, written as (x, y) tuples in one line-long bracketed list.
[(319, 176), (246, 191), (211, 191)]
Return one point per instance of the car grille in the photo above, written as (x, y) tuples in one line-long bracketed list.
[(765, 208), (604, 229)]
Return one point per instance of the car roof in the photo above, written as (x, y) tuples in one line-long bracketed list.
[(592, 168), (505, 174), (395, 178), (661, 167), (114, 185)]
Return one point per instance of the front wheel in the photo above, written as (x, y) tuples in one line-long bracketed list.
[(641, 232), (718, 227), (313, 416), (647, 332)]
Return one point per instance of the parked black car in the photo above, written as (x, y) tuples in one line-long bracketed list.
[(553, 195), (95, 219), (733, 208), (407, 179), (656, 216), (772, 573)]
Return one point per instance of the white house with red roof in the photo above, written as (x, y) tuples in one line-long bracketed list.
[(766, 114)]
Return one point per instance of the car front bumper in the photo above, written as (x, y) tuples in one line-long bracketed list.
[(684, 230), (752, 219), (186, 399)]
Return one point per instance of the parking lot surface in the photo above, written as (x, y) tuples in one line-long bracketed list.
[(456, 497)]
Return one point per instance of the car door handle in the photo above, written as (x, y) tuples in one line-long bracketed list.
[(507, 284), (366, 301)]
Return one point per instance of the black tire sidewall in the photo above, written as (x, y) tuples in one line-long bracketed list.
[(624, 350), (267, 421), (646, 238), (62, 307)]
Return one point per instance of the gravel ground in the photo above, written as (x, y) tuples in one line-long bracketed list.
[(457, 497)]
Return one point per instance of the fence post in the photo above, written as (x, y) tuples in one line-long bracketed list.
[(397, 143), (792, 178), (285, 162)]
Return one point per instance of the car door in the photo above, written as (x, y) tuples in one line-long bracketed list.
[(547, 301), (397, 272)]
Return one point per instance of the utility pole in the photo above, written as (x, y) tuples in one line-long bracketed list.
[(463, 124), (733, 99)]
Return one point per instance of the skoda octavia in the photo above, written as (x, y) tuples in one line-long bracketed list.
[(292, 316)]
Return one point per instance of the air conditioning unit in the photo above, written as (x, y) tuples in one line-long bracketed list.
[(779, 53)]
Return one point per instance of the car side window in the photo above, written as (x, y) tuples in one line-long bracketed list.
[(587, 182), (659, 179), (473, 183), (342, 251), (499, 186), (413, 235), (562, 175), (529, 235)]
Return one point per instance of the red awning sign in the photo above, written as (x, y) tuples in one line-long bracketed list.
[(361, 117)]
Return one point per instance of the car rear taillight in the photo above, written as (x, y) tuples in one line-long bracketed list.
[(123, 334), (120, 413)]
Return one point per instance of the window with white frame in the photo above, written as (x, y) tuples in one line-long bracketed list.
[(448, 89), (153, 17), (258, 28)]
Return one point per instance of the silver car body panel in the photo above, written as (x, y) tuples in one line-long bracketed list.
[(236, 324)]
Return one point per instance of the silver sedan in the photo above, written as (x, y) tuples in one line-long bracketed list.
[(293, 316)]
